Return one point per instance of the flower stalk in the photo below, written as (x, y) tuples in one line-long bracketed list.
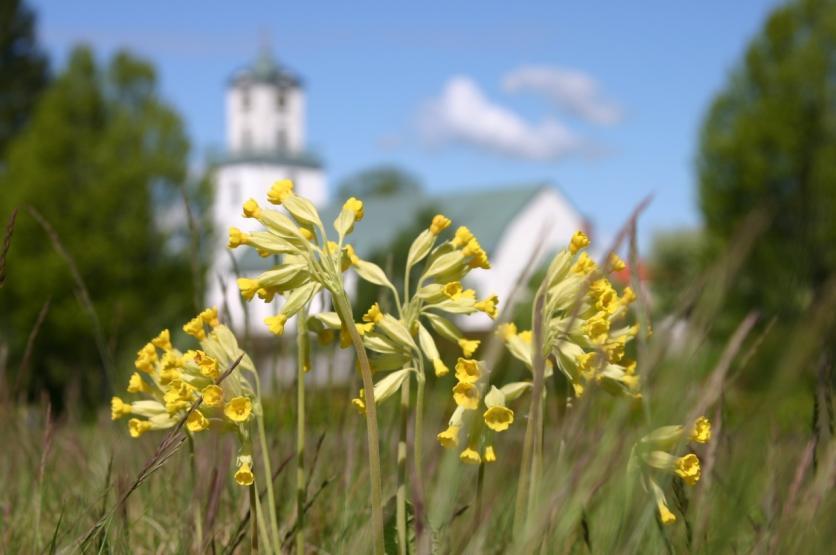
[(303, 358)]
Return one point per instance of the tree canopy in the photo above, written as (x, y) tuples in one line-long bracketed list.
[(769, 143), (100, 153), (23, 69)]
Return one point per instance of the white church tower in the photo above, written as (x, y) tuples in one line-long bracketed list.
[(265, 142)]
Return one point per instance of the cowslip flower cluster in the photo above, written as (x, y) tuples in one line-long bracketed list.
[(173, 384), (584, 336), (654, 454), (397, 343), (469, 393)]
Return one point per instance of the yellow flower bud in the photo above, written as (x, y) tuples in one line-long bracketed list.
[(244, 473), (440, 368), (462, 237), (237, 238), (137, 385), (280, 190), (251, 209), (119, 408), (440, 223), (356, 206), (373, 315), (579, 241), (488, 306), (194, 327), (248, 287), (490, 456)]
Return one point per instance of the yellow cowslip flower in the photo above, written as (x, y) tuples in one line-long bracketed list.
[(466, 395), (210, 317), (688, 468), (440, 223), (137, 427), (373, 315), (194, 327), (499, 418), (146, 358), (605, 296), (209, 367), (462, 237), (237, 238), (244, 473), (665, 514), (238, 409), (597, 328), (470, 456), (119, 408), (249, 287), (467, 370), (507, 331), (589, 363), (354, 205), (172, 360), (137, 385), (449, 438), (266, 294), (196, 422), (526, 336), (488, 306), (585, 265), (615, 349), (359, 402), (363, 329), (440, 368), (276, 323), (452, 290), (616, 263), (162, 341), (629, 367), (468, 346), (490, 456), (579, 241), (213, 395), (251, 209), (280, 190), (701, 432)]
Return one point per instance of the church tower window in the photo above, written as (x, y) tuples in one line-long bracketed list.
[(281, 100), (246, 139), (245, 98)]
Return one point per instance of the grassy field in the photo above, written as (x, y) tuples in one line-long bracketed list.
[(766, 486)]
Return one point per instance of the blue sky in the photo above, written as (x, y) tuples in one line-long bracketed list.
[(602, 98)]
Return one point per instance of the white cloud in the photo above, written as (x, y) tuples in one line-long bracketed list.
[(571, 90), (464, 114)]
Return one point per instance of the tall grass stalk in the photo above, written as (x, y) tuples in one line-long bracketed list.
[(344, 311)]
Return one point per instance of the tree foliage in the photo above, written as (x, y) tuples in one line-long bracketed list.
[(379, 181), (769, 142), (100, 152), (23, 69)]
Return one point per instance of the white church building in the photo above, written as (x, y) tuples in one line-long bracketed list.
[(265, 141)]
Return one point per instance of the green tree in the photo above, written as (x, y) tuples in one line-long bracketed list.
[(379, 181), (23, 69), (769, 142), (101, 160)]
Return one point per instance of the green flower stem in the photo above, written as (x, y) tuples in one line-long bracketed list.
[(302, 361), (531, 461), (400, 515), (344, 311), (268, 478), (418, 440)]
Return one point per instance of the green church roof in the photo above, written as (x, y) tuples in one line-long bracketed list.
[(266, 69)]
